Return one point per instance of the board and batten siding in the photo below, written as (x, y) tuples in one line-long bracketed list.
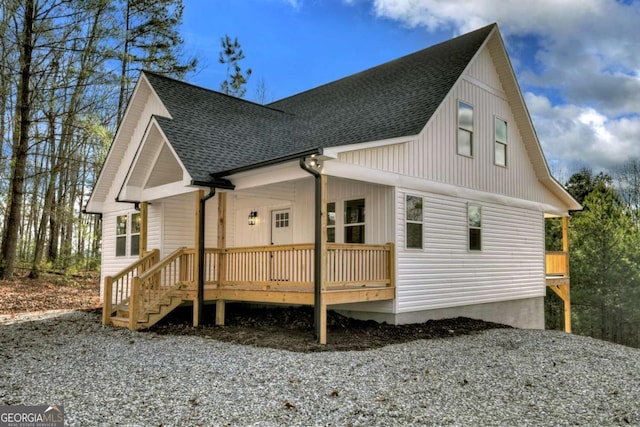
[(446, 274), (298, 195), (432, 155), (178, 222)]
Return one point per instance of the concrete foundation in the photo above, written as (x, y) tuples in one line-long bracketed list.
[(523, 313)]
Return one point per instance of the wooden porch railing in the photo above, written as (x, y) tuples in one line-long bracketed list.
[(557, 264), (118, 288), (292, 266), (286, 267)]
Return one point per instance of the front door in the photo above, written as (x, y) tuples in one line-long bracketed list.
[(281, 234)]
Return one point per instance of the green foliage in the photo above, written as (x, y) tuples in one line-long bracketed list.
[(605, 274), (231, 55)]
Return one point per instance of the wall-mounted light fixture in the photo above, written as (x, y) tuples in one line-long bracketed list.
[(253, 218)]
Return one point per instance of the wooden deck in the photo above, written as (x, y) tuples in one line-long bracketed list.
[(145, 292), (557, 269), (148, 290)]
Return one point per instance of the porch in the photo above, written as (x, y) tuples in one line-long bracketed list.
[(151, 288)]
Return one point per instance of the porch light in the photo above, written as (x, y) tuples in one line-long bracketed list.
[(253, 218)]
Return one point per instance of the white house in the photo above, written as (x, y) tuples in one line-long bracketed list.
[(410, 191)]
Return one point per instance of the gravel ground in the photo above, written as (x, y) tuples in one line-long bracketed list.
[(106, 376)]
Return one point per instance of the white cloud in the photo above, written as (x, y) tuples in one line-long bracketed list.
[(572, 134)]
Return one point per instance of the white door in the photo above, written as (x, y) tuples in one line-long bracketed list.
[(281, 231), (281, 234)]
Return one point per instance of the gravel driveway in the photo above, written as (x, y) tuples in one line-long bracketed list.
[(105, 376)]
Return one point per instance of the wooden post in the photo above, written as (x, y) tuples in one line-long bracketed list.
[(143, 229), (567, 310), (107, 300), (567, 289), (133, 303), (323, 259), (565, 243), (222, 243), (196, 259), (392, 265)]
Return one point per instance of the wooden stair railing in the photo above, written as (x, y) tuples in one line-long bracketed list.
[(117, 288), (153, 293)]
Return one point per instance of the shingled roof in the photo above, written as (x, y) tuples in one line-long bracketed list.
[(213, 133)]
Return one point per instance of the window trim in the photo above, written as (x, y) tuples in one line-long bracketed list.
[(346, 224), (461, 128), (496, 142), (470, 227), (124, 235), (131, 234), (408, 221), (335, 221), (128, 234)]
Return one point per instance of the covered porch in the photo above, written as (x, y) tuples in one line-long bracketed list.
[(154, 285), (149, 289)]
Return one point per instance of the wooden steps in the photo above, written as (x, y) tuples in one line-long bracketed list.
[(152, 313)]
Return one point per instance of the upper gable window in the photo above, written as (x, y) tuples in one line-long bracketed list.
[(465, 129), (500, 142)]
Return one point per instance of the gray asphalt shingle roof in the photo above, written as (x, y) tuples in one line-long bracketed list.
[(214, 133)]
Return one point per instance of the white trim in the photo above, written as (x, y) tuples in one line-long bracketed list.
[(268, 175), (166, 190), (333, 152), (351, 171), (484, 86), (136, 193)]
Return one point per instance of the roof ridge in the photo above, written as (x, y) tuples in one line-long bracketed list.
[(404, 57), (212, 91)]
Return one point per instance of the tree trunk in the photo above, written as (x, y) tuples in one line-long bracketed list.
[(20, 149)]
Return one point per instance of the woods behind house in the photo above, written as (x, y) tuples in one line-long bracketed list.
[(67, 68)]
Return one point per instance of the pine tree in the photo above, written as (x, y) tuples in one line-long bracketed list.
[(230, 56), (150, 41)]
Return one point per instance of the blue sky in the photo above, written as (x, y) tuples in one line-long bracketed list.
[(577, 61)]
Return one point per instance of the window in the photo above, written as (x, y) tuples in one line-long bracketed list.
[(413, 214), (121, 235), (354, 221), (475, 227), (500, 142), (128, 228), (465, 129), (331, 222), (135, 234), (282, 220)]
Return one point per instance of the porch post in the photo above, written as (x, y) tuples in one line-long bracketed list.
[(222, 243), (196, 259), (321, 212), (567, 293), (143, 228)]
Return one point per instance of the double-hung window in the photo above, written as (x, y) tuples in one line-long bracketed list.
[(500, 142), (121, 235), (354, 221), (414, 219), (474, 216), (128, 234), (331, 222), (465, 129)]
